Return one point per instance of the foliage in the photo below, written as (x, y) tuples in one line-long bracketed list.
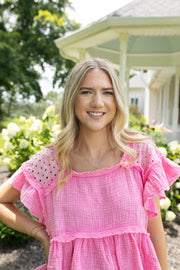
[(25, 137), (25, 108), (170, 150), (142, 124), (27, 33)]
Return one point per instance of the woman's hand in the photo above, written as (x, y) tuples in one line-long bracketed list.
[(46, 245), (40, 233), (156, 230)]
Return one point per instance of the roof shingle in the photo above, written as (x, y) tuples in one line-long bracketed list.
[(147, 8)]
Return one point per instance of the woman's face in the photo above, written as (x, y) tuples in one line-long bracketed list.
[(95, 105)]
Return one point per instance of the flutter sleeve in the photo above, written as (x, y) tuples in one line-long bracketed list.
[(31, 193), (159, 173)]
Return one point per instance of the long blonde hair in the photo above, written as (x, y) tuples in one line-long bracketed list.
[(69, 122)]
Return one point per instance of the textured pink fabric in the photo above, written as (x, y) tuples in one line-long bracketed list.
[(99, 221)]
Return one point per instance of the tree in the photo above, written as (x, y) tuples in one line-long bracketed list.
[(27, 33)]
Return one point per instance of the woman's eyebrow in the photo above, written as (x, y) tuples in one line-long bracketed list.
[(108, 88), (90, 88), (85, 87)]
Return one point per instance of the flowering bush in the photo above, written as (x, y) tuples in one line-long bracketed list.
[(25, 137), (170, 206)]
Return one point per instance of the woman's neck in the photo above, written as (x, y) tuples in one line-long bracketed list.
[(94, 151), (93, 143)]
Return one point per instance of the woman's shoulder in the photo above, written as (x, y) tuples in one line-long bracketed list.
[(43, 167), (136, 138), (45, 156)]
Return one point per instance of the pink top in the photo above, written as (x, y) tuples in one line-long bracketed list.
[(99, 221)]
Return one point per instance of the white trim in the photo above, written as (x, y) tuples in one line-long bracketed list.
[(176, 100), (170, 25), (133, 60), (123, 38), (146, 102)]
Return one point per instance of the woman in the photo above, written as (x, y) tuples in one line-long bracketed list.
[(95, 191)]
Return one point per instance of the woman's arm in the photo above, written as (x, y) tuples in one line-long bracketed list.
[(156, 230), (15, 219)]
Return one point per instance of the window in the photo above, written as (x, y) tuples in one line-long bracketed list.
[(134, 101)]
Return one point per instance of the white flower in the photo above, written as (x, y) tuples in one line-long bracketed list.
[(30, 120), (163, 151), (37, 125), (173, 146), (50, 111), (12, 129), (55, 131), (29, 133), (177, 160), (49, 123), (165, 203), (6, 160), (173, 143), (23, 144), (170, 216), (177, 185), (22, 119), (56, 128), (8, 146), (178, 206), (36, 142), (5, 134), (13, 126)]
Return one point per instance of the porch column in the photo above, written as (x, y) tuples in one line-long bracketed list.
[(123, 38), (127, 86), (146, 79), (165, 114), (146, 102), (176, 101), (160, 106)]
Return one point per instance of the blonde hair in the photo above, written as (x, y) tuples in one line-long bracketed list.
[(69, 122)]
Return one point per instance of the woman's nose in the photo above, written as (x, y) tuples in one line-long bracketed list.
[(97, 100)]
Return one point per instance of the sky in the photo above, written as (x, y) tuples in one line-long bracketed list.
[(85, 12)]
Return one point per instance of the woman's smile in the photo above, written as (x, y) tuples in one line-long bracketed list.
[(96, 115)]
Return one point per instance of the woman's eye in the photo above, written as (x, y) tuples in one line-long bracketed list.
[(85, 92), (109, 93)]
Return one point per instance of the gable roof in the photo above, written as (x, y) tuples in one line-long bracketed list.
[(147, 8)]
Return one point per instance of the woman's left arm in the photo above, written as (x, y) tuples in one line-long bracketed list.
[(156, 230)]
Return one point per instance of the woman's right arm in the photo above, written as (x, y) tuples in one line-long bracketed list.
[(17, 220)]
